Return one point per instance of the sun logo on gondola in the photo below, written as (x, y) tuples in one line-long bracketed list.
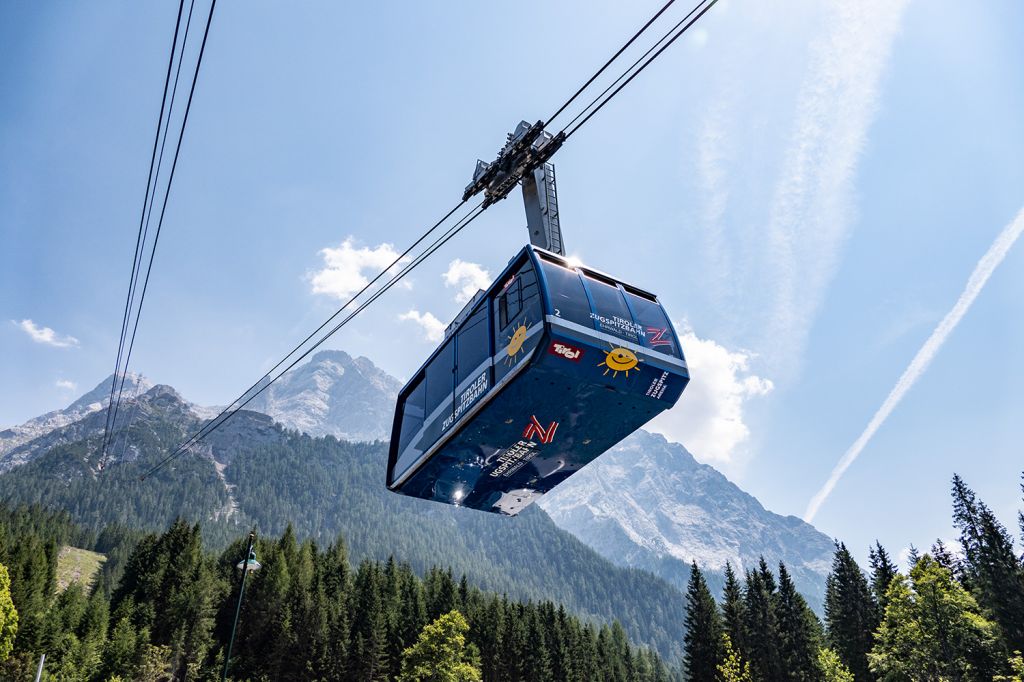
[(515, 344), (619, 359)]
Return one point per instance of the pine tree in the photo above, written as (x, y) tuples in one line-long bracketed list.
[(537, 663), (368, 661), (851, 614), (703, 639), (732, 609), (8, 615), (761, 628), (944, 557), (1020, 514), (991, 569), (335, 575), (799, 636), (123, 650), (883, 570)]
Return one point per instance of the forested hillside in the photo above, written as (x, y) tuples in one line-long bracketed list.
[(308, 614), (252, 471)]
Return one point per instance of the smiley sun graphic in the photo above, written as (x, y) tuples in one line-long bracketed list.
[(515, 344), (619, 360)]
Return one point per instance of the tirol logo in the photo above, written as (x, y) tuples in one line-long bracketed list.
[(566, 351), (535, 429)]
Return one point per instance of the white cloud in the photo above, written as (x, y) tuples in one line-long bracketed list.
[(778, 206), (811, 212), (45, 335), (342, 274), (66, 385), (433, 328), (975, 283), (467, 277), (708, 419)]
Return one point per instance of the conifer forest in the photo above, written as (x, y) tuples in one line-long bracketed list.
[(162, 606)]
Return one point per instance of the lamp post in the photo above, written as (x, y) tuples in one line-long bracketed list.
[(246, 565)]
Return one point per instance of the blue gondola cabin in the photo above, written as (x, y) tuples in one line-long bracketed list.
[(549, 368)]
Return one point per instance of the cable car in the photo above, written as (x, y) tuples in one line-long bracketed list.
[(548, 368)]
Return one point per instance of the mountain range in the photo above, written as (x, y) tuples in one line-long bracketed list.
[(645, 507)]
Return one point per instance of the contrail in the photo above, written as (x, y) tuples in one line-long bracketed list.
[(982, 271)]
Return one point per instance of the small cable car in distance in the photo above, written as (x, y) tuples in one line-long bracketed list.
[(538, 375)]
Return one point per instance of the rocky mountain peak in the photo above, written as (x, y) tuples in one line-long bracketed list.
[(93, 401), (333, 394)]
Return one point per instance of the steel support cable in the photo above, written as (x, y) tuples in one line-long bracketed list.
[(109, 437), (632, 66), (142, 217), (227, 412), (609, 62), (687, 22), (167, 193)]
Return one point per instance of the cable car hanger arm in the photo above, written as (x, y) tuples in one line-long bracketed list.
[(524, 161)]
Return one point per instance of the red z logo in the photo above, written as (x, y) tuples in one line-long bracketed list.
[(535, 429), (658, 336)]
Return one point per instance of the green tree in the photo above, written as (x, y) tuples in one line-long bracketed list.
[(761, 627), (703, 639), (851, 614), (883, 570), (440, 653), (799, 631), (8, 615), (124, 649), (732, 668), (1016, 664), (933, 630), (944, 557), (732, 609), (831, 669), (1020, 514), (992, 570)]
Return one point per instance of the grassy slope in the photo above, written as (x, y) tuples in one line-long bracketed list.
[(76, 565)]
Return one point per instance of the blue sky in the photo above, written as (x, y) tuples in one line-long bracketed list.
[(807, 191)]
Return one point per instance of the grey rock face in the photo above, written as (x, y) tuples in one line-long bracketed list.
[(648, 503), (333, 394)]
